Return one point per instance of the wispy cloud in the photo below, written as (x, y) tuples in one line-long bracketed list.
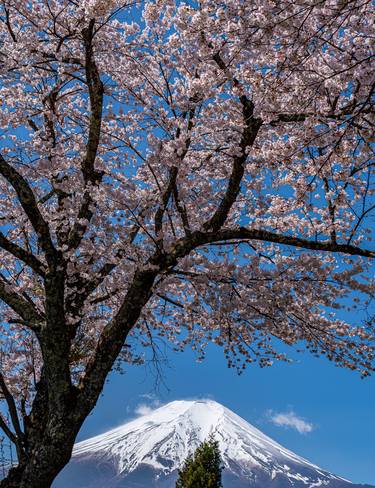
[(145, 408), (290, 420)]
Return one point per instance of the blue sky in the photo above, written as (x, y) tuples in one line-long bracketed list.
[(333, 409)]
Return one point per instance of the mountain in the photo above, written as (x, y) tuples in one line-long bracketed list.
[(148, 451)]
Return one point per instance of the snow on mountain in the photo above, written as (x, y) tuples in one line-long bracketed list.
[(149, 450)]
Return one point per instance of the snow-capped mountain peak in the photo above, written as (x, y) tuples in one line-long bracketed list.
[(153, 447)]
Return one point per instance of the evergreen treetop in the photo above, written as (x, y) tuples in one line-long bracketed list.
[(203, 468)]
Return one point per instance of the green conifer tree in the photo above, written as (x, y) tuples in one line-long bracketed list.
[(203, 468)]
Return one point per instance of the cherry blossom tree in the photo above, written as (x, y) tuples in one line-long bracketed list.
[(199, 171)]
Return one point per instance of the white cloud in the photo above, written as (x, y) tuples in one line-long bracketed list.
[(147, 408), (290, 420), (143, 409)]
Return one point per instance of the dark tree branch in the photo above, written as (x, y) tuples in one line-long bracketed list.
[(252, 126), (349, 109), (22, 307), (182, 211), (201, 238), (171, 188), (90, 175), (87, 287), (4, 427), (23, 255), (96, 91), (79, 228), (29, 204), (13, 414), (114, 335), (250, 131), (9, 24), (164, 202)]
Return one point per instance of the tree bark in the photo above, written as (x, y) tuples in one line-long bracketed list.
[(51, 452), (50, 440)]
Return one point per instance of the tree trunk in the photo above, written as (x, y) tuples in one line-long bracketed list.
[(38, 472), (49, 441), (51, 453), (60, 408), (50, 434), (55, 418)]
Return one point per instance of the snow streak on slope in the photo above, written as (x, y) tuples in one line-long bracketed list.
[(163, 439)]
